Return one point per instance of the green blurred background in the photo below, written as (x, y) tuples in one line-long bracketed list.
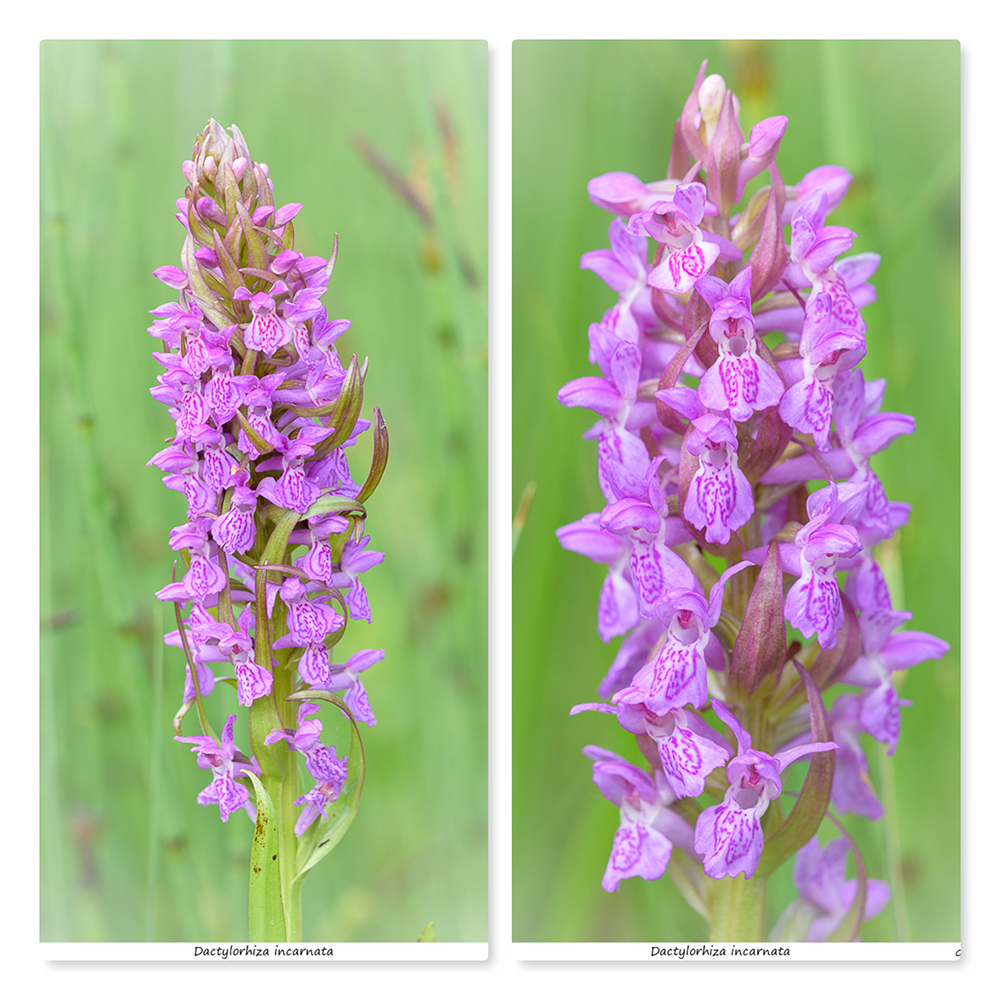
[(126, 852), (889, 113)]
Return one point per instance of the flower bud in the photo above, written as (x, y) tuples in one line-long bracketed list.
[(711, 96), (760, 646)]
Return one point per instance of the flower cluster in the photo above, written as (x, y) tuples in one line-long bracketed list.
[(734, 441), (264, 412)]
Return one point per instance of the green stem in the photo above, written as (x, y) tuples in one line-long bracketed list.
[(736, 909), (279, 768)]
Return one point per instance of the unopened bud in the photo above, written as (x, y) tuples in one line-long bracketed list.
[(710, 97)]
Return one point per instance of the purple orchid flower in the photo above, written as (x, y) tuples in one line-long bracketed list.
[(252, 680), (886, 652), (649, 828), (675, 225), (353, 562), (719, 497), (730, 835), (330, 773), (807, 406), (306, 734), (678, 676), (813, 604), (687, 747), (826, 896), (344, 677), (226, 762), (740, 381), (642, 517), (309, 623), (267, 331)]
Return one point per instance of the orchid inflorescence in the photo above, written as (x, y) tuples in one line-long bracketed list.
[(717, 547), (274, 545)]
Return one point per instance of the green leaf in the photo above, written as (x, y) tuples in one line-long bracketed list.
[(255, 245), (203, 295), (346, 410), (332, 503), (380, 455), (428, 933), (267, 912), (234, 279), (231, 191), (324, 835)]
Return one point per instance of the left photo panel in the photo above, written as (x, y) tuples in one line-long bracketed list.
[(263, 403)]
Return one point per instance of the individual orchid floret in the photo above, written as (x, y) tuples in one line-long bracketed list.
[(678, 676), (825, 350), (345, 677), (267, 331), (783, 310), (814, 249), (353, 562), (760, 151), (719, 496), (236, 530), (641, 515), (203, 579), (649, 828), (330, 773), (309, 623), (740, 381), (826, 895), (317, 563), (293, 489), (613, 395), (730, 835), (861, 432), (886, 652), (813, 604), (252, 680), (688, 256), (688, 748), (306, 734), (227, 763), (225, 392), (259, 399), (816, 246)]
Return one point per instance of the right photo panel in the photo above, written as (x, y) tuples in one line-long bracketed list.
[(736, 477)]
